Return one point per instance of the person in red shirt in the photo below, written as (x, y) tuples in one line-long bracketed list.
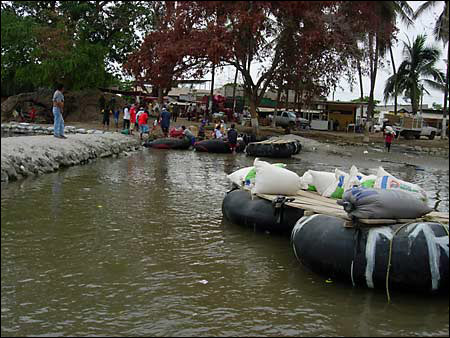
[(389, 135), (142, 122), (32, 114), (132, 118)]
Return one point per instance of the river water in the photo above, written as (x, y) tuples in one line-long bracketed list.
[(137, 246)]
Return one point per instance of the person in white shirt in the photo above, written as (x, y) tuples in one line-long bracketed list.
[(217, 133), (141, 111), (126, 117)]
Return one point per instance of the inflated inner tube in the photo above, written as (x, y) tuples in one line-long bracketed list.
[(274, 150), (217, 146), (239, 208), (169, 143), (419, 256), (298, 146)]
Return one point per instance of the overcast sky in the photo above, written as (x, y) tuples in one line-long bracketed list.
[(422, 25)]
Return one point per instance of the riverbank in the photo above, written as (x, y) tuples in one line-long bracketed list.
[(24, 156), (32, 155), (334, 142)]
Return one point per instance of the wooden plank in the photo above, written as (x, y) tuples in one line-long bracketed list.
[(304, 202), (408, 220), (304, 194), (377, 221), (316, 196), (438, 214), (315, 203), (320, 210)]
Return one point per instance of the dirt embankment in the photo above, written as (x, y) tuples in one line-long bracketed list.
[(80, 106)]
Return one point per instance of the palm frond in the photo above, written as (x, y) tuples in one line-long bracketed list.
[(435, 85), (424, 7)]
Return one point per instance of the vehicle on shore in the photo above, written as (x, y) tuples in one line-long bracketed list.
[(289, 119), (414, 127), (428, 131)]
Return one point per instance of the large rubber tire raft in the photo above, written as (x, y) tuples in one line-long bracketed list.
[(217, 146), (169, 143), (274, 150), (239, 208), (419, 256)]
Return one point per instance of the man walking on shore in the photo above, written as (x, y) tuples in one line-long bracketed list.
[(165, 121), (58, 108)]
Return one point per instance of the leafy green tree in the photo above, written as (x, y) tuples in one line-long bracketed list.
[(80, 43), (18, 45)]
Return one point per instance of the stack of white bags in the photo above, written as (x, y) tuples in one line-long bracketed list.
[(274, 179)]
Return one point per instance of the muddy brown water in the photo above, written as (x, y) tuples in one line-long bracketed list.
[(137, 246)]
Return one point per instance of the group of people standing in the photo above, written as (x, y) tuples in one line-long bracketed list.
[(135, 117)]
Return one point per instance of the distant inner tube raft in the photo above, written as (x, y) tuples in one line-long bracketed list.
[(419, 257), (277, 149), (239, 208), (217, 146), (169, 143)]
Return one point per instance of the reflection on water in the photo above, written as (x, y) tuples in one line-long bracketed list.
[(138, 246)]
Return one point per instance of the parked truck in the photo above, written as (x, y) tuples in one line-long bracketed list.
[(413, 128)]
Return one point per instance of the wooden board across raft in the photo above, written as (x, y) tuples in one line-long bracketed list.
[(277, 141), (313, 203)]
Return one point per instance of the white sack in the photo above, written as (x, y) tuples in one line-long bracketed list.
[(274, 180)]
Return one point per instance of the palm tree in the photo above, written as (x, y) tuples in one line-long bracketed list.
[(417, 70), (404, 11), (441, 32), (377, 45)]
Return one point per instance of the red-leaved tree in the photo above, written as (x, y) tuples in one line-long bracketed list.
[(303, 41)]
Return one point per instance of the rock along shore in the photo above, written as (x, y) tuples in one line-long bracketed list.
[(24, 156)]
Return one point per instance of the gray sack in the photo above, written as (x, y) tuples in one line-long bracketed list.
[(362, 202)]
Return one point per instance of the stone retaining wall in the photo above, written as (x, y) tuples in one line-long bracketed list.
[(34, 155), (24, 128)]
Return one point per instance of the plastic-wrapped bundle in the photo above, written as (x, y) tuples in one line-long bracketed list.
[(382, 204)]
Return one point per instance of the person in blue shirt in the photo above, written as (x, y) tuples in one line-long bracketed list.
[(165, 121), (116, 119)]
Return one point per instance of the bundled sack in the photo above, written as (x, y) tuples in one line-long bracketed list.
[(307, 182), (274, 180), (322, 180), (336, 189), (245, 177), (381, 204), (249, 179), (357, 179), (387, 181), (238, 177)]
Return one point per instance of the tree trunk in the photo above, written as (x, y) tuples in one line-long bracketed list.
[(212, 89), (234, 91), (277, 106), (446, 89), (395, 74), (254, 115), (295, 100), (373, 54), (286, 103), (358, 65), (160, 96)]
